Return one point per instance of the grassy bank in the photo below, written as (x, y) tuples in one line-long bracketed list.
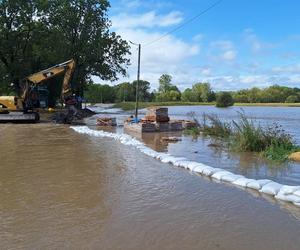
[(243, 135), (283, 104), (131, 105)]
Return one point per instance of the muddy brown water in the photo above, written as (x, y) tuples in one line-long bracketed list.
[(63, 190)]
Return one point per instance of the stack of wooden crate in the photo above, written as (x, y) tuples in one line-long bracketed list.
[(107, 121), (157, 114)]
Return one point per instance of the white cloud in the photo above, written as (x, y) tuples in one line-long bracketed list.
[(229, 55), (222, 50), (256, 45), (169, 55), (220, 63), (147, 20), (294, 68), (198, 38), (149, 4), (222, 44), (131, 3), (206, 71)]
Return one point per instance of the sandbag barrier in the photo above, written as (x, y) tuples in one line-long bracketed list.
[(280, 192)]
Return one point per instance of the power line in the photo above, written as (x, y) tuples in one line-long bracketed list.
[(185, 23)]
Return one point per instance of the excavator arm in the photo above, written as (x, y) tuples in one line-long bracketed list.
[(40, 77)]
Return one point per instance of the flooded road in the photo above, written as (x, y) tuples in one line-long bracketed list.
[(63, 190), (207, 150)]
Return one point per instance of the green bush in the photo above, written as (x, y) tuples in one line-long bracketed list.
[(292, 99), (224, 99)]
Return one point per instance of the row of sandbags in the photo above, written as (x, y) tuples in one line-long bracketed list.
[(279, 191)]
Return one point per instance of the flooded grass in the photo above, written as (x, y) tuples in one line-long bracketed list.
[(131, 105), (243, 135), (216, 127)]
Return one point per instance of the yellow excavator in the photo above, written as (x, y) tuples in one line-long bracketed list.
[(23, 107)]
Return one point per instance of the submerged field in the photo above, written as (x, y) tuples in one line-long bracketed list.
[(131, 105), (208, 150)]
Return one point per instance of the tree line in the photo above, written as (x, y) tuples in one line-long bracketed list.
[(37, 34), (199, 92)]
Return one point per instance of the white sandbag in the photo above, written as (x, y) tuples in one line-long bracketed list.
[(145, 150), (178, 163), (184, 164), (175, 159), (150, 152), (167, 159), (218, 175), (142, 147), (288, 197), (271, 188), (257, 184), (297, 193), (199, 168), (296, 204), (209, 171), (160, 156), (285, 189), (181, 163), (192, 164), (242, 182), (231, 177)]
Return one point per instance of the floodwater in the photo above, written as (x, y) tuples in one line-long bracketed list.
[(63, 190), (208, 151)]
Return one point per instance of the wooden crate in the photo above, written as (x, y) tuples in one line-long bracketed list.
[(140, 127), (188, 124), (175, 125), (162, 126), (157, 114)]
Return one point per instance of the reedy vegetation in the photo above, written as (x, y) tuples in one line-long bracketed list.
[(273, 142)]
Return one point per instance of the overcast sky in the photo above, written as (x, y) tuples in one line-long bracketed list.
[(237, 44)]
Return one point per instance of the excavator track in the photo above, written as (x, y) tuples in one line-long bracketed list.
[(19, 117)]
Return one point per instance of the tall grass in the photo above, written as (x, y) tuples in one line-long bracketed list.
[(212, 125), (273, 141)]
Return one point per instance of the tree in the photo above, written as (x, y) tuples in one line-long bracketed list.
[(124, 92), (144, 87), (20, 24), (37, 34), (224, 99), (167, 91), (204, 92), (174, 95), (97, 93), (85, 35), (165, 83), (292, 99), (189, 95)]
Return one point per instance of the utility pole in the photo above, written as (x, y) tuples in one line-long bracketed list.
[(137, 85), (138, 81)]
